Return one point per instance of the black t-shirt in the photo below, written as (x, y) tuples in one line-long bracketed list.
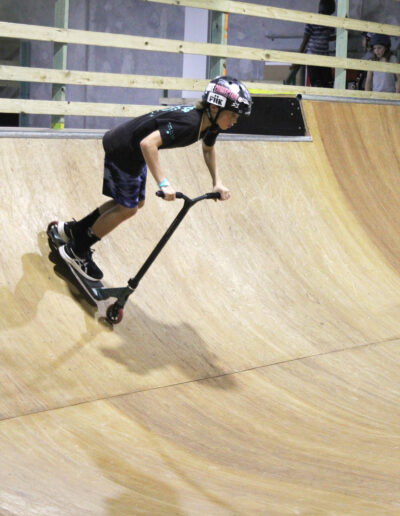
[(179, 126)]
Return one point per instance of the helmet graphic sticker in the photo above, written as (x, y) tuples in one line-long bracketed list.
[(217, 100), (226, 92)]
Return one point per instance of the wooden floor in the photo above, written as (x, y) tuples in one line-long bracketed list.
[(256, 370)]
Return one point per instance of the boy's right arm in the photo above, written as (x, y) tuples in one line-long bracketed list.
[(149, 147)]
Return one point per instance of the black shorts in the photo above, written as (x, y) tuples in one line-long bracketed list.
[(124, 188)]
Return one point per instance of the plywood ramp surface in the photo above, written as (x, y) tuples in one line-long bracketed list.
[(256, 368)]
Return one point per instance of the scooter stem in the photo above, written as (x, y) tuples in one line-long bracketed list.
[(188, 203)]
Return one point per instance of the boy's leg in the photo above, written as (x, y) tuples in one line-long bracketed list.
[(112, 218), (111, 215), (128, 195), (125, 205), (78, 254), (73, 229)]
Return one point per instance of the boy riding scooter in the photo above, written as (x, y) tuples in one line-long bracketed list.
[(132, 147)]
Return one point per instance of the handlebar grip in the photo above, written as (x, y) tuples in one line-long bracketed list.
[(213, 195), (178, 195)]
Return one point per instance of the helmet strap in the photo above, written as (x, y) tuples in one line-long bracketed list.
[(213, 120)]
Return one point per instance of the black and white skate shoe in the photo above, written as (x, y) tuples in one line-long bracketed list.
[(65, 230), (82, 263)]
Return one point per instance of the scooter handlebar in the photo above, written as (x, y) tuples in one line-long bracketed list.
[(180, 195)]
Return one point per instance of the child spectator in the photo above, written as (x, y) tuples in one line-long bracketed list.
[(382, 81)]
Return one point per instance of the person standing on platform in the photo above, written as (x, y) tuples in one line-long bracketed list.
[(316, 41)]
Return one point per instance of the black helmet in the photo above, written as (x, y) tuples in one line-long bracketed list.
[(380, 39), (228, 93)]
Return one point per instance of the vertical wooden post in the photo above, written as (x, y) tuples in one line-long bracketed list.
[(60, 58), (24, 60), (217, 33), (341, 44)]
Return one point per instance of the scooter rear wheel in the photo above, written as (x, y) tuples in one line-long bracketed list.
[(114, 314)]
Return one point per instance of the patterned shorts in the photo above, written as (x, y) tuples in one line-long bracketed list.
[(124, 188)]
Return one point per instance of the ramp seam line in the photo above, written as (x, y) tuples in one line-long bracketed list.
[(241, 371)]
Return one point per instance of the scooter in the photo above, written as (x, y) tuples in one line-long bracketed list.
[(96, 290)]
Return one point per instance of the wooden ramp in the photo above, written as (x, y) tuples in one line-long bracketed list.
[(256, 370)]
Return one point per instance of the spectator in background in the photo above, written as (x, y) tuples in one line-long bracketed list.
[(382, 81), (367, 47), (316, 41), (368, 54)]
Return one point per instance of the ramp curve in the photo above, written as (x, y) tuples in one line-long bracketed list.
[(256, 368)]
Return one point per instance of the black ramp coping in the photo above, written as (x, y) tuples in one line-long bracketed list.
[(272, 116)]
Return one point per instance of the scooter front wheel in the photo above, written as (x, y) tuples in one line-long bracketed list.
[(114, 314)]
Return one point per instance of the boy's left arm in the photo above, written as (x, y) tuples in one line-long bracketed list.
[(211, 162)]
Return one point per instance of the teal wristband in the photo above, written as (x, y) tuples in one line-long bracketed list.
[(163, 183)]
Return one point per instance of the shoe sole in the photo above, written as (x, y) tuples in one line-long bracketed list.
[(72, 263)]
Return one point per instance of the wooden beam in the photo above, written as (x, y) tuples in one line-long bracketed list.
[(34, 32), (277, 13), (44, 107), (49, 75), (49, 107)]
